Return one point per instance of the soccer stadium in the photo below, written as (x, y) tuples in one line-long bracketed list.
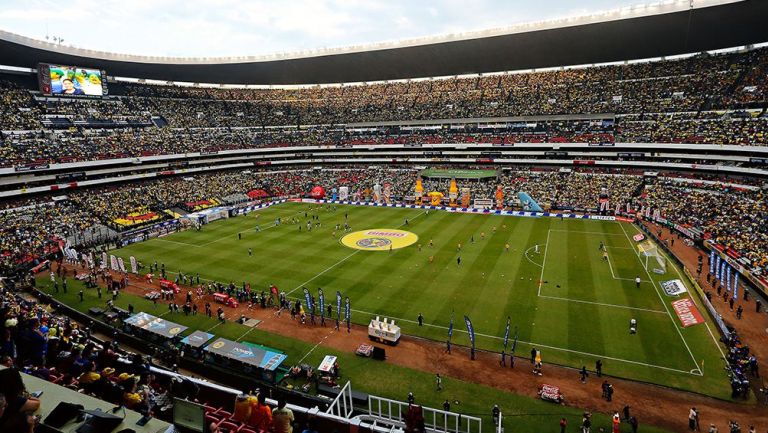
[(553, 225)]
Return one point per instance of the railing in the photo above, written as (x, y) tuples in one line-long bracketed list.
[(435, 420), (342, 405)]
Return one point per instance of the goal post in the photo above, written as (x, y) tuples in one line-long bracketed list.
[(653, 259)]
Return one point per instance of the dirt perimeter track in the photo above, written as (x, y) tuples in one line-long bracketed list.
[(651, 404)]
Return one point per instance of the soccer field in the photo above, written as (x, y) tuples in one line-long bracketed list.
[(564, 300)]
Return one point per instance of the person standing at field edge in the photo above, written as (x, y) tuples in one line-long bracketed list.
[(420, 319), (599, 367)]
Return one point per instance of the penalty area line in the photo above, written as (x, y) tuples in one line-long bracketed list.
[(655, 289)]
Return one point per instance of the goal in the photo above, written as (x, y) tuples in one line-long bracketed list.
[(653, 259)]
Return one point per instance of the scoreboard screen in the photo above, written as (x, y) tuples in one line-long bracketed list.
[(71, 80)]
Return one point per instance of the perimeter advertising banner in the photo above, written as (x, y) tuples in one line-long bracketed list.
[(687, 312)]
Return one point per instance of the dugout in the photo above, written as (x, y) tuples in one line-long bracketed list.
[(262, 362), (153, 329)]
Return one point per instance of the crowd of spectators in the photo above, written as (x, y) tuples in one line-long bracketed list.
[(693, 100), (735, 217), (36, 228), (38, 342)]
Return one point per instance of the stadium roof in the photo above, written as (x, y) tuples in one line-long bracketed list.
[(664, 29)]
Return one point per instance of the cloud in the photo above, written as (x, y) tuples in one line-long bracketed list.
[(197, 28)]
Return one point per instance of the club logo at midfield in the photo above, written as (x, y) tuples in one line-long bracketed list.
[(373, 242), (379, 239)]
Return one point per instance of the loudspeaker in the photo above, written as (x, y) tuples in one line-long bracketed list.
[(379, 353)]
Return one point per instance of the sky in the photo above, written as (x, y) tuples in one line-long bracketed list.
[(215, 28)]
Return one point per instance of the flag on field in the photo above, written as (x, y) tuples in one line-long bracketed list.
[(514, 342), (120, 264), (506, 334), (321, 301), (104, 262), (113, 262), (470, 331), (308, 299), (347, 310), (712, 262), (450, 327), (134, 269), (728, 281), (736, 286), (338, 305)]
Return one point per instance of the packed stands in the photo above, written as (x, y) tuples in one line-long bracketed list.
[(695, 100)]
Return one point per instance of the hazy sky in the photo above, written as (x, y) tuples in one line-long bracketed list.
[(255, 27)]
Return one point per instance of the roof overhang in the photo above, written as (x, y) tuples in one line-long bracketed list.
[(665, 29)]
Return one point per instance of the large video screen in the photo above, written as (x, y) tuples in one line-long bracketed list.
[(71, 80)]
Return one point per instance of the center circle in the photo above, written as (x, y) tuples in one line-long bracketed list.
[(379, 239)]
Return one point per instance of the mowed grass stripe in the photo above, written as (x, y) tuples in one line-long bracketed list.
[(288, 258)]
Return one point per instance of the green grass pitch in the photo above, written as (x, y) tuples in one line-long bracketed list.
[(564, 300)]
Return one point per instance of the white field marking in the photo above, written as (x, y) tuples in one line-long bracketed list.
[(229, 235), (211, 328), (529, 259), (594, 355), (251, 229), (619, 248), (603, 304), (244, 334), (315, 346), (338, 263), (322, 272), (619, 278), (653, 283), (222, 237), (677, 270), (589, 233), (544, 262), (626, 307), (177, 242)]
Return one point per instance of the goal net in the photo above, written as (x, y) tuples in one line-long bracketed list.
[(653, 259)]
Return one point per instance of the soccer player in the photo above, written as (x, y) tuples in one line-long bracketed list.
[(637, 281), (250, 252), (506, 247), (431, 244), (536, 248), (602, 246), (458, 260), (605, 256)]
